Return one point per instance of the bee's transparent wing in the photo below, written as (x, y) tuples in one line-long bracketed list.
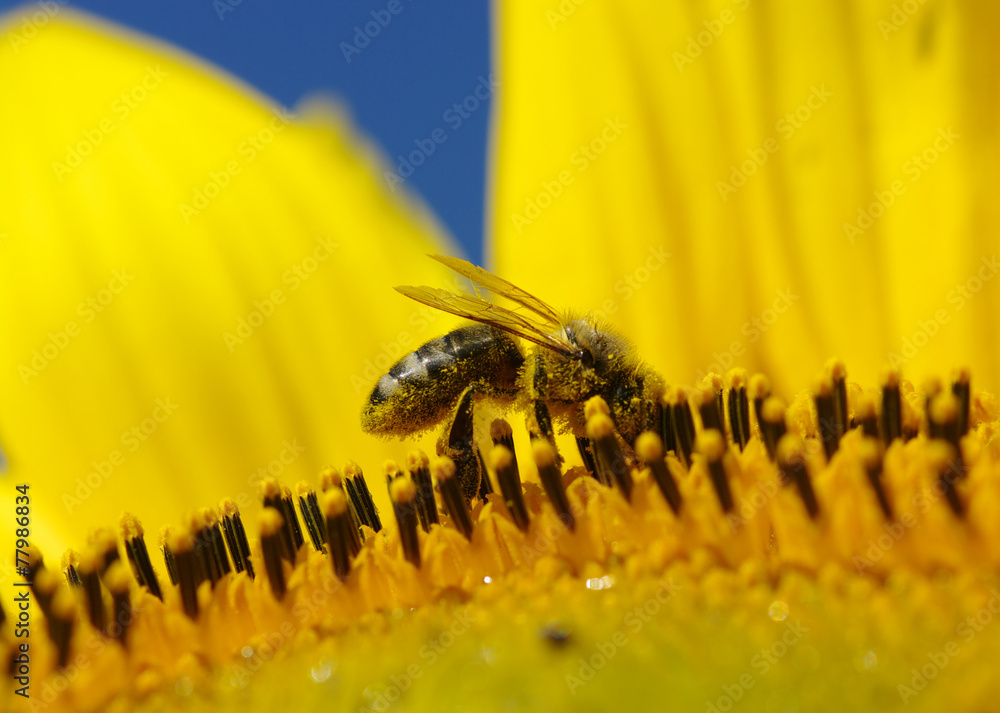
[(500, 286), (481, 310)]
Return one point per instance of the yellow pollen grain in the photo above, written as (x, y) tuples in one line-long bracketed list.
[(823, 386), (46, 581), (599, 426), (329, 477), (944, 408), (501, 458), (102, 539), (595, 405), (443, 468), (271, 522), (333, 503), (891, 377), (773, 410), (543, 453), (711, 445), (390, 468), (116, 578), (402, 490), (70, 558), (712, 381), (417, 460), (180, 541), (932, 386), (836, 369), (704, 395), (649, 447), (759, 387), (270, 488), (303, 489), (64, 604), (90, 560)]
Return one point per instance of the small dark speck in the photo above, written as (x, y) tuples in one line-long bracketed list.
[(927, 32), (557, 634)]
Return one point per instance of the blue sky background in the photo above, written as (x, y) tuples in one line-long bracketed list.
[(428, 57)]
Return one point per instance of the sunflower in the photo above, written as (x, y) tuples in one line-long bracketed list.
[(196, 304)]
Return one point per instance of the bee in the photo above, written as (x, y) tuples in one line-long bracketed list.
[(571, 359)]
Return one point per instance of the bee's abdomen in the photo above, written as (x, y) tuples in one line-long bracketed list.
[(421, 388)]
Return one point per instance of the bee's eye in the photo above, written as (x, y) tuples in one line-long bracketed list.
[(587, 358)]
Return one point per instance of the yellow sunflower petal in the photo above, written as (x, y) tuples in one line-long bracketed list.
[(757, 183), (192, 282)]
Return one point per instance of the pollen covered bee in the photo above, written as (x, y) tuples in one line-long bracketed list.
[(573, 358)]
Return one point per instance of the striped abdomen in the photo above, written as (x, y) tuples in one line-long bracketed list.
[(422, 388)]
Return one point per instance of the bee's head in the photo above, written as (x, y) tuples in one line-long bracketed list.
[(599, 351)]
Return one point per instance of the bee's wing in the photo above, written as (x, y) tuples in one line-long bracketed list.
[(500, 286), (481, 310)]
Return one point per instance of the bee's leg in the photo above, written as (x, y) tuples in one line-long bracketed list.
[(485, 486), (540, 426), (459, 443), (586, 448)]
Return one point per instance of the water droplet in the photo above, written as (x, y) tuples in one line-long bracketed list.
[(778, 611), (247, 652), (183, 687), (321, 672), (599, 583), (866, 661), (487, 580)]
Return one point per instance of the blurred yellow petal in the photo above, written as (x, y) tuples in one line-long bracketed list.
[(820, 174), (191, 282)]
